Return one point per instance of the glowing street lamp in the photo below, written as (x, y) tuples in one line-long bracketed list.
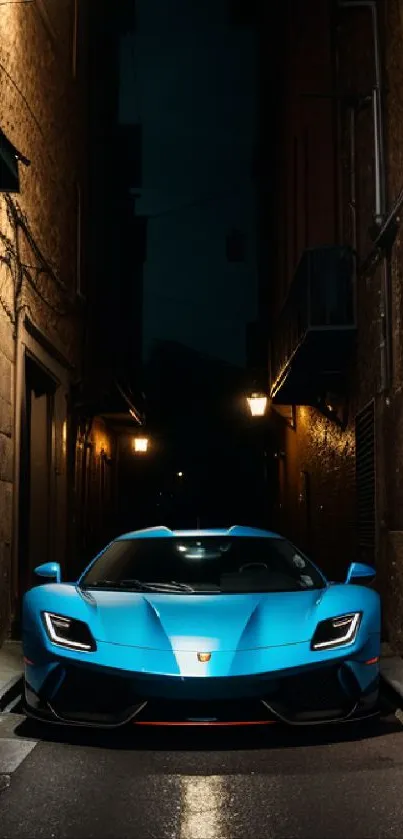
[(141, 445), (257, 404)]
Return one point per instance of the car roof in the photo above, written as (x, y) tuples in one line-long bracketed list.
[(165, 533)]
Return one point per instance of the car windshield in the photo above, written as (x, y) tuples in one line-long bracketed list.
[(206, 564)]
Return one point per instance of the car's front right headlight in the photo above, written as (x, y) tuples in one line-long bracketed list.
[(336, 632), (70, 633)]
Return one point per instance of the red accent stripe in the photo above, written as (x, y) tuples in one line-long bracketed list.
[(204, 722), (28, 661), (372, 660)]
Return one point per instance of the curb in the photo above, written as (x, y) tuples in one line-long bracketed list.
[(391, 669), (390, 690), (11, 691)]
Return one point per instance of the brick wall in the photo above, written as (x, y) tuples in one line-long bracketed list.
[(317, 473), (306, 211), (392, 415), (316, 446), (43, 103), (317, 493)]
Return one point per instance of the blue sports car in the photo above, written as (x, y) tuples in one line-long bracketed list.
[(224, 627)]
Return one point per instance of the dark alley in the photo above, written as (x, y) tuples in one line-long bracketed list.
[(201, 418)]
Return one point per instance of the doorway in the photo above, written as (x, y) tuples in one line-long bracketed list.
[(37, 492)]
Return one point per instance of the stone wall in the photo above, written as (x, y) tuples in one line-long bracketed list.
[(43, 96)]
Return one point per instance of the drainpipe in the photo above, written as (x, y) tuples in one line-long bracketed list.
[(19, 385), (379, 147), (380, 189), (353, 183), (352, 204), (18, 390)]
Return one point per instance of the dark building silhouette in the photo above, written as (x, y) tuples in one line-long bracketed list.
[(334, 291)]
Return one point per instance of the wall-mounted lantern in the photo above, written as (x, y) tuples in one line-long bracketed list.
[(257, 403), (141, 445)]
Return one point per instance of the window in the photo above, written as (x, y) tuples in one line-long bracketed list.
[(203, 565)]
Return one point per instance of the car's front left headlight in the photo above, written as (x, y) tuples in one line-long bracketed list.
[(336, 632), (70, 633)]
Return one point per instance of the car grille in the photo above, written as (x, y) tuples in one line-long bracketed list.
[(93, 694), (101, 698), (328, 691), (320, 690), (236, 711)]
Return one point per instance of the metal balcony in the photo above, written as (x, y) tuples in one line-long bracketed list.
[(315, 332)]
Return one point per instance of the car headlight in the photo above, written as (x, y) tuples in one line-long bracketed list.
[(336, 632), (69, 632)]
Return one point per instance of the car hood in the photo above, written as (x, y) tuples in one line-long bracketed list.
[(202, 622), (223, 622)]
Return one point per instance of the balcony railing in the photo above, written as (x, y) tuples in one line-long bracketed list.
[(313, 335)]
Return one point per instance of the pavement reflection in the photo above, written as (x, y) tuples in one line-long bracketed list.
[(203, 807)]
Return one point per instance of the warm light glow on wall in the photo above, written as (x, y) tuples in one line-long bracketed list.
[(13, 13), (64, 438), (101, 444), (312, 426)]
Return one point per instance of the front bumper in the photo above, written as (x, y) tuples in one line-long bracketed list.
[(76, 694)]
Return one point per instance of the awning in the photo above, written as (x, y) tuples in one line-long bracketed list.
[(9, 159)]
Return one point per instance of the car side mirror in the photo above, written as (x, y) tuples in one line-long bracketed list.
[(360, 574), (49, 571)]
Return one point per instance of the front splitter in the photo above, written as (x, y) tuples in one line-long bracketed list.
[(197, 723)]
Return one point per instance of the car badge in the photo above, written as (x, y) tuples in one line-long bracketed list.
[(203, 657)]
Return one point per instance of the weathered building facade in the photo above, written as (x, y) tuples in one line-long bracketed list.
[(43, 77), (336, 303)]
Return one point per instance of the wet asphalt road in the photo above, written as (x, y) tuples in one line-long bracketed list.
[(272, 783)]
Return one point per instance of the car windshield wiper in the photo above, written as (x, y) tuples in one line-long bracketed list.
[(140, 585), (172, 585), (100, 584)]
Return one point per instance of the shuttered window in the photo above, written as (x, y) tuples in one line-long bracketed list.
[(366, 482)]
